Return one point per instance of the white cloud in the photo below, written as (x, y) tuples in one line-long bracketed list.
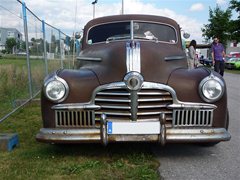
[(188, 24), (197, 7), (62, 14), (221, 2)]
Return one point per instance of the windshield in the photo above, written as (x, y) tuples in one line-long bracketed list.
[(141, 30)]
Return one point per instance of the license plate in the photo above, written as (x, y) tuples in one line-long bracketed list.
[(133, 127)]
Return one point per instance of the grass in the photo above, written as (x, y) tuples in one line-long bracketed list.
[(234, 71), (14, 82), (34, 160)]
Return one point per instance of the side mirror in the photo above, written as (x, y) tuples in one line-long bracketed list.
[(186, 35), (77, 35)]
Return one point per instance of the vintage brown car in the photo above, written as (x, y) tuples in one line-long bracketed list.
[(132, 83)]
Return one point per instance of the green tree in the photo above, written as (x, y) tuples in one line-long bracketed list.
[(23, 46), (219, 25), (235, 24), (10, 43)]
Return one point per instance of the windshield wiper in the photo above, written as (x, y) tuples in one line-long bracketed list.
[(113, 38)]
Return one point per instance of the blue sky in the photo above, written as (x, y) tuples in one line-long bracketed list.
[(190, 14), (198, 9)]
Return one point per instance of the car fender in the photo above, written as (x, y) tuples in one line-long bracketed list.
[(186, 84)]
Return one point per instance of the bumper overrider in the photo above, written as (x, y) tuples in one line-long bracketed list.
[(171, 120)]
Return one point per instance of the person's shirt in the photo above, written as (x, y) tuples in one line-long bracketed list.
[(217, 50), (191, 52)]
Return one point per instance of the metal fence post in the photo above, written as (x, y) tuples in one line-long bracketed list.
[(27, 48), (45, 47), (60, 48)]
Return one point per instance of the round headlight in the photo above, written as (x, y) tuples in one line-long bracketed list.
[(56, 90), (211, 89)]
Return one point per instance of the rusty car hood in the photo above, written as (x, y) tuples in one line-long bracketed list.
[(157, 61)]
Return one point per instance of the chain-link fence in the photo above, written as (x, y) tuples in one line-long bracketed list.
[(29, 50)]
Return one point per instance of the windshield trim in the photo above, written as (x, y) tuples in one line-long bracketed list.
[(130, 22)]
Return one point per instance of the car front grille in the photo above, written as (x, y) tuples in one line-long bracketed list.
[(66, 118), (116, 104), (192, 118)]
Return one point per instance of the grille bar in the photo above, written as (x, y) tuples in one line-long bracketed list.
[(189, 118), (154, 99), (112, 100), (153, 93), (151, 106), (154, 113), (114, 113), (115, 107), (113, 94), (74, 118)]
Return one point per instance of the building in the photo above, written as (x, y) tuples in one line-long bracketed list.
[(232, 47), (6, 33)]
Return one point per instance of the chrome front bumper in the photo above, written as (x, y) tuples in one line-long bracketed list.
[(96, 135)]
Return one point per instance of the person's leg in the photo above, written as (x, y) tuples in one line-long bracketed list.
[(190, 63), (221, 67), (216, 66)]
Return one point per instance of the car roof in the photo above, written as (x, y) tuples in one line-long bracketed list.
[(151, 18)]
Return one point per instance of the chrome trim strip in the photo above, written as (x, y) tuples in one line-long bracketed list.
[(172, 58), (114, 113), (113, 94), (153, 93), (76, 106), (149, 106), (113, 100), (84, 58), (133, 58), (131, 30), (186, 105), (115, 107), (154, 99), (153, 113)]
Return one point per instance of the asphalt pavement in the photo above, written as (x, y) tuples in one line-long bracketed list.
[(194, 162)]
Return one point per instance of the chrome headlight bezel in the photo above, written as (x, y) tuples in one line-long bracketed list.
[(204, 85), (64, 87)]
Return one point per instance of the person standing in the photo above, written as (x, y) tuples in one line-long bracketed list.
[(218, 55), (192, 54)]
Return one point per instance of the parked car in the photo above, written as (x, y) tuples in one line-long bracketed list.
[(232, 63), (235, 54), (237, 64), (132, 83), (206, 61)]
